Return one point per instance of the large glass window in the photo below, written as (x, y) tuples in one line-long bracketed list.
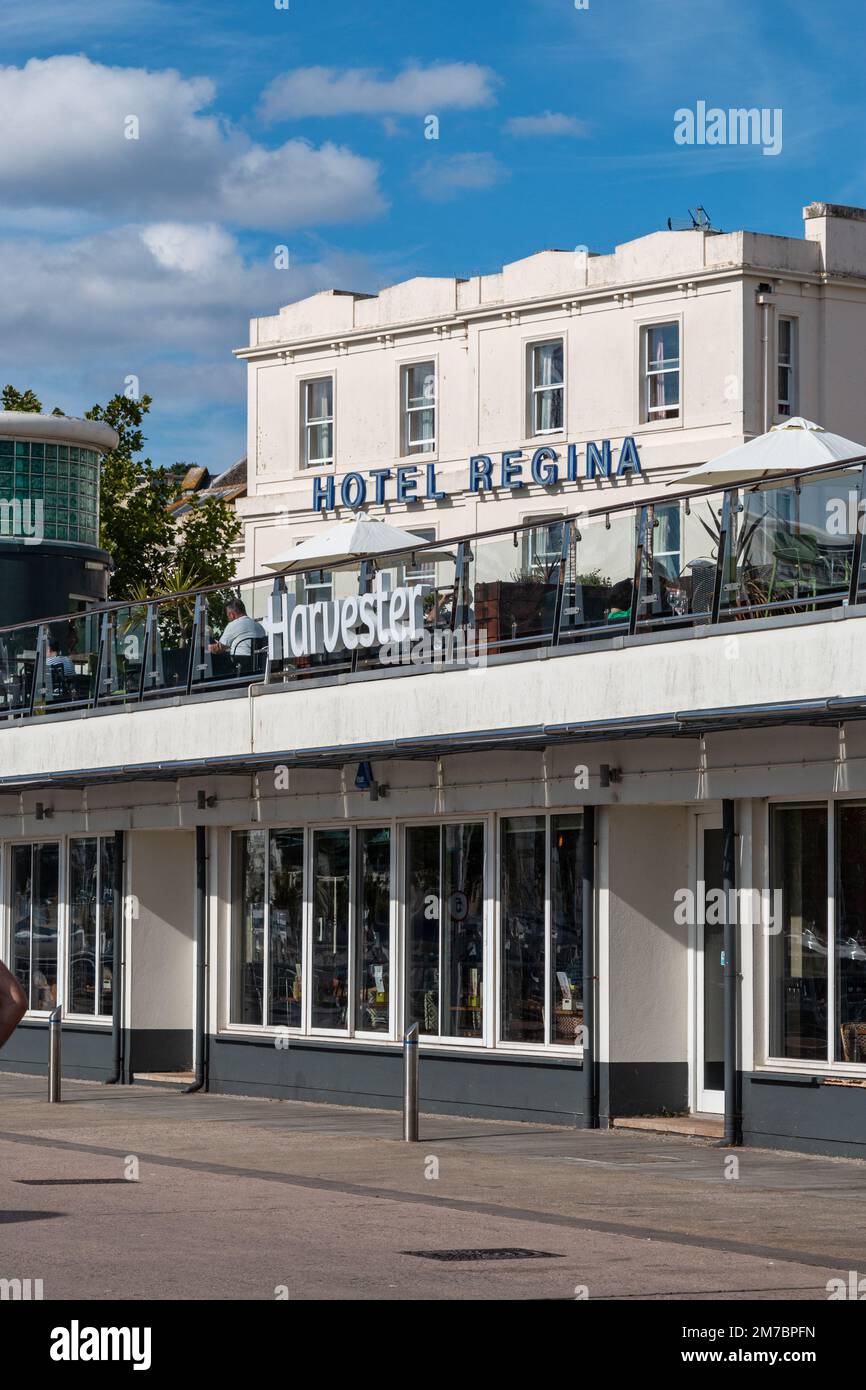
[(566, 927), (285, 926), (91, 925), (541, 929), (522, 916), (35, 873), (798, 868), (445, 929), (55, 482), (374, 930), (249, 861), (661, 371), (330, 947), (787, 367), (318, 403), (547, 387), (851, 932), (419, 408)]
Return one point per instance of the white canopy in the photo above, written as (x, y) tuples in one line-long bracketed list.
[(360, 539), (796, 443)]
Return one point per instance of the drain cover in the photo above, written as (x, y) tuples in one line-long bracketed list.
[(505, 1252)]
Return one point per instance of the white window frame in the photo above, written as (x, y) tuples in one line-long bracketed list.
[(306, 1029), (31, 841), (533, 392), (489, 975), (659, 554), (549, 1047), (417, 570), (769, 1060), (790, 366), (535, 523), (308, 424), (407, 411), (657, 415), (67, 904), (490, 1040)]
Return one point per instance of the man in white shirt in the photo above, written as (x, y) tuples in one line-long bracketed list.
[(240, 633)]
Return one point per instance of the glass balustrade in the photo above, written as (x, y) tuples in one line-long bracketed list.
[(790, 546), (514, 585), (681, 560), (763, 549), (599, 575)]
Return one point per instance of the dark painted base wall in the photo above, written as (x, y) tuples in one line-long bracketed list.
[(642, 1088), (88, 1052), (452, 1083), (803, 1113)]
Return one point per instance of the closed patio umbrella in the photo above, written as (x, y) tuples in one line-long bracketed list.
[(361, 539), (795, 444)]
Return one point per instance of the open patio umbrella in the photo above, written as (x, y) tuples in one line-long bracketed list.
[(795, 444), (362, 539)]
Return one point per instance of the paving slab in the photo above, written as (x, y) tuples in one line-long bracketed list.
[(236, 1197)]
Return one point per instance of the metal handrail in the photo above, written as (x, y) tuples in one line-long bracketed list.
[(36, 703), (611, 509)]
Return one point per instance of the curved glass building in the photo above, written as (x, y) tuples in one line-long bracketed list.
[(50, 560)]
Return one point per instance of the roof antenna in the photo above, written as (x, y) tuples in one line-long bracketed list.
[(699, 220)]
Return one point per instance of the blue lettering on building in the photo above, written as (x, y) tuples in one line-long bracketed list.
[(544, 469)]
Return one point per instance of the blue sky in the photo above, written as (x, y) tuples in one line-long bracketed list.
[(305, 127)]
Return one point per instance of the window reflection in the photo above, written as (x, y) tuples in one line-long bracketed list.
[(851, 933), (566, 925), (525, 882), (285, 930), (799, 950), (445, 928), (374, 929), (248, 899), (523, 929), (330, 958), (35, 882)]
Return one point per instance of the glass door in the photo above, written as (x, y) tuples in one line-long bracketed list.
[(709, 1011)]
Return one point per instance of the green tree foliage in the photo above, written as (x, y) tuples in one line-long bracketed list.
[(152, 549), (27, 401)]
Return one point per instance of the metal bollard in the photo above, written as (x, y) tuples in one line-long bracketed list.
[(410, 1085), (54, 1027)]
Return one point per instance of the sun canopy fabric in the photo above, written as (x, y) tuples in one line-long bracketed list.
[(795, 444), (350, 540)]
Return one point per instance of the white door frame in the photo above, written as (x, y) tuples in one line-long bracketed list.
[(706, 1101)]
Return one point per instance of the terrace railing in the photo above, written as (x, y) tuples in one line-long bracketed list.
[(787, 545)]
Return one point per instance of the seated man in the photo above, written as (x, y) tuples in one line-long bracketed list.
[(240, 634), (58, 661)]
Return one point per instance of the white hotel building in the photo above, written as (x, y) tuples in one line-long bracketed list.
[(268, 869)]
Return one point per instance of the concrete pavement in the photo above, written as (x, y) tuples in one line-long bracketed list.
[(240, 1198)]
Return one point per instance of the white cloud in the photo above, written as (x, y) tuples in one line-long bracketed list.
[(549, 123), (165, 302), (443, 178), (64, 123), (416, 91)]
